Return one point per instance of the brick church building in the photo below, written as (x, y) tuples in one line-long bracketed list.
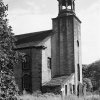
[(53, 57)]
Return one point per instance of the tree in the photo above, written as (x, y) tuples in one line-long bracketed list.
[(92, 72), (8, 56)]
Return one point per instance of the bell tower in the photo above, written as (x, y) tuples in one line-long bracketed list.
[(67, 5), (66, 42)]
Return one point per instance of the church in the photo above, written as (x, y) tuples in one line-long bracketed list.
[(53, 57)]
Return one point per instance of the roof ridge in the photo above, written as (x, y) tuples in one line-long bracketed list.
[(33, 33)]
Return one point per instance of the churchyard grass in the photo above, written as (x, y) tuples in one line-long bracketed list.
[(50, 96)]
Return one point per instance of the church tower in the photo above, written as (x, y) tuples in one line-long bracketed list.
[(66, 42)]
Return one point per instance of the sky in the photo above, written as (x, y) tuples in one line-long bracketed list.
[(36, 15)]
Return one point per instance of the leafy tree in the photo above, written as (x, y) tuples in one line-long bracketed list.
[(8, 56), (92, 72), (87, 78)]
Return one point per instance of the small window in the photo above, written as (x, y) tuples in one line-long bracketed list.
[(49, 62), (70, 86), (73, 89), (78, 90), (66, 89), (77, 43)]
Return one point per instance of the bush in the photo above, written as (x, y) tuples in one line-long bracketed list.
[(87, 82)]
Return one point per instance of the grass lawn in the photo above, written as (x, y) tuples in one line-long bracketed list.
[(50, 96)]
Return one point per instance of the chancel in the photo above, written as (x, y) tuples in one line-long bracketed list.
[(53, 57)]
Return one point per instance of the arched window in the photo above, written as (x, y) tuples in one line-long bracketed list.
[(26, 63)]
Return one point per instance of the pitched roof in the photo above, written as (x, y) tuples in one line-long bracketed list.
[(32, 39), (57, 81)]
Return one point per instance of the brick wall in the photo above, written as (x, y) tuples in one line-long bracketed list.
[(34, 65), (36, 69), (62, 46), (77, 50), (46, 72)]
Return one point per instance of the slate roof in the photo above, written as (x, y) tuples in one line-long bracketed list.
[(57, 81), (32, 39)]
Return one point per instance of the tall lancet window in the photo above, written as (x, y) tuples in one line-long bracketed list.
[(77, 43), (78, 70)]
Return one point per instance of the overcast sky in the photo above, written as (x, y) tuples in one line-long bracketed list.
[(35, 15)]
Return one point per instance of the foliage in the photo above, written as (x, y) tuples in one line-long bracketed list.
[(8, 56), (8, 86), (92, 72), (88, 84)]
